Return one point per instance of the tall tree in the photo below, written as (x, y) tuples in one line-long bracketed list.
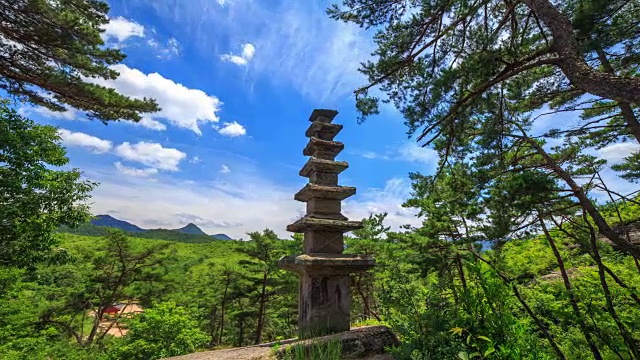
[(264, 251), (35, 197), (439, 60), (52, 49)]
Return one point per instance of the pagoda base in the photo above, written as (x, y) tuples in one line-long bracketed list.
[(325, 293)]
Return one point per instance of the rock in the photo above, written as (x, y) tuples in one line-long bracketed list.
[(363, 343)]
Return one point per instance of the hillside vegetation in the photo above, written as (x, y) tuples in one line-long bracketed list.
[(445, 300)]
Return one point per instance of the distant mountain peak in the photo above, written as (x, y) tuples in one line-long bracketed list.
[(191, 228), (110, 221)]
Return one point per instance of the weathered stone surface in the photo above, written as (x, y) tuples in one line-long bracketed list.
[(323, 115), (323, 131), (323, 178), (312, 224), (327, 264), (363, 343), (323, 242), (325, 303), (325, 209), (323, 149), (313, 191), (321, 165)]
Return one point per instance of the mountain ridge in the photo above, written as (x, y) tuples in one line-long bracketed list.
[(109, 221)]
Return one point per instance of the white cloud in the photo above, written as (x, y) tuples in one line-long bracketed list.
[(181, 106), (232, 129), (407, 151), (152, 155), (195, 160), (617, 152), (224, 169), (248, 50), (149, 123), (411, 151), (165, 51), (388, 199), (69, 114), (135, 172), (244, 202), (96, 145), (121, 29)]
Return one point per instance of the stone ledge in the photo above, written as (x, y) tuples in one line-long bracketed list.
[(323, 131), (311, 191), (329, 166), (327, 264), (362, 343), (305, 224), (315, 145), (323, 115)]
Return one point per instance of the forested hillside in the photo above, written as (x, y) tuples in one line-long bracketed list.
[(444, 297)]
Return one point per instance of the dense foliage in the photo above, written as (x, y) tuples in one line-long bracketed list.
[(445, 297), (34, 197)]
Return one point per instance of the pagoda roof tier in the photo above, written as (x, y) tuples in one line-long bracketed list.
[(316, 145), (323, 115), (311, 191), (306, 223), (323, 131), (327, 264), (322, 165)]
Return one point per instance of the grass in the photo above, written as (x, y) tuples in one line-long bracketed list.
[(311, 350)]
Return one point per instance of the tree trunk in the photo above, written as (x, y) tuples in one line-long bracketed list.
[(572, 297), (263, 300), (625, 108), (586, 204), (573, 65), (223, 309), (240, 331), (365, 298)]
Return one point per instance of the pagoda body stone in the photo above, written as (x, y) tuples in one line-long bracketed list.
[(325, 272)]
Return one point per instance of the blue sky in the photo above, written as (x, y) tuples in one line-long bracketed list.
[(237, 80)]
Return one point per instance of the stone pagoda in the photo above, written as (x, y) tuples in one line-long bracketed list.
[(325, 295)]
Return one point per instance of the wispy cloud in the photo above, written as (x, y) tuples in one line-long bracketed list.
[(248, 50), (407, 152), (166, 51), (223, 206), (297, 44), (134, 171)]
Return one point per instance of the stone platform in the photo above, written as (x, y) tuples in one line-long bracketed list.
[(362, 343)]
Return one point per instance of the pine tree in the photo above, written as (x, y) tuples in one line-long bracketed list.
[(50, 52)]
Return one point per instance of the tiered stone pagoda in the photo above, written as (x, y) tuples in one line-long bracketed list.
[(325, 295)]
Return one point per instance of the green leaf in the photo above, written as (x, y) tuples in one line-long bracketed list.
[(489, 351)]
